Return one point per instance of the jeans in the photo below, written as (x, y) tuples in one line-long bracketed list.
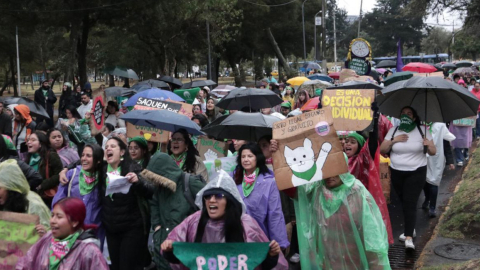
[(408, 185), (431, 193), (461, 154)]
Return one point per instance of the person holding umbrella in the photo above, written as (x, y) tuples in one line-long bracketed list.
[(405, 144), (45, 97)]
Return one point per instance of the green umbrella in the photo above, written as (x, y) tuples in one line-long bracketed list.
[(398, 76)]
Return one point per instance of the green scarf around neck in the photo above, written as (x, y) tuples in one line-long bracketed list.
[(35, 161), (306, 175), (246, 187), (406, 123), (180, 160), (87, 182), (59, 249)]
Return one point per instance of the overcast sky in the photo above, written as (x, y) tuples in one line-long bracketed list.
[(353, 8)]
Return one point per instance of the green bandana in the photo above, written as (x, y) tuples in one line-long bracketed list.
[(87, 182), (34, 161), (180, 160), (248, 182), (45, 93), (406, 123), (307, 175), (59, 249)]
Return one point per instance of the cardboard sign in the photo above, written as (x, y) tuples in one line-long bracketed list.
[(385, 180), (234, 256), (155, 104), (98, 118), (351, 108), (188, 94), (308, 149), (228, 164), (466, 122), (95, 127), (211, 149), (17, 235), (149, 133)]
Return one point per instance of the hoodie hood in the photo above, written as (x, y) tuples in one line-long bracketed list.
[(162, 170), (24, 111)]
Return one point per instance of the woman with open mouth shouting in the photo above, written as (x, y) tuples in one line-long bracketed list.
[(125, 216), (182, 150), (222, 219), (258, 189), (71, 243), (363, 157)]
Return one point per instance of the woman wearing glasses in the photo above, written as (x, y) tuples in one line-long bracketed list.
[(138, 149), (182, 150), (221, 219)]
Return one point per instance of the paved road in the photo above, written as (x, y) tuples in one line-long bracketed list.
[(425, 225)]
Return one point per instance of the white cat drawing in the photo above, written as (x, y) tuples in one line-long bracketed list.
[(301, 161)]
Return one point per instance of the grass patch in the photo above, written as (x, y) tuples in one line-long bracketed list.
[(462, 220)]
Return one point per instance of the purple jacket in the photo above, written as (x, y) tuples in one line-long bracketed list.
[(264, 205), (68, 155), (463, 136)]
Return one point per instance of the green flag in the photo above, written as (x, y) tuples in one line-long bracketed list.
[(187, 94), (221, 256)]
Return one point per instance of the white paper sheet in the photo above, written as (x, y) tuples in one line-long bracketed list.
[(117, 184)]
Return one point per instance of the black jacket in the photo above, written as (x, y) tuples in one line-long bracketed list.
[(121, 212), (45, 103), (66, 100), (5, 124)]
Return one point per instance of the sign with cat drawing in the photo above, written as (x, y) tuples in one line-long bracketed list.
[(308, 149)]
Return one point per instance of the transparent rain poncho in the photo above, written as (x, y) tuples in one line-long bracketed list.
[(340, 228), (12, 178)]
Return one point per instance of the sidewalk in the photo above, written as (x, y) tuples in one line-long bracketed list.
[(459, 225)]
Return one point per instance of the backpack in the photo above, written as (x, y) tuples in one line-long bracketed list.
[(186, 189)]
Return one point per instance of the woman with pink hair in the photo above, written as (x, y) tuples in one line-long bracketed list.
[(70, 244)]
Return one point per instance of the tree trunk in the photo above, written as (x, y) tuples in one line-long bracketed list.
[(111, 80), (235, 70), (12, 70), (279, 54), (82, 50)]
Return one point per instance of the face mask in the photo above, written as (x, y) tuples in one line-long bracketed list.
[(406, 123)]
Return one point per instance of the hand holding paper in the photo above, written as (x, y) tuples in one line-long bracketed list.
[(117, 184)]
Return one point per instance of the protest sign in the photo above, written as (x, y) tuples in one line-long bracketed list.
[(97, 119), (211, 149), (228, 164), (465, 122), (17, 235), (359, 54), (351, 108), (385, 180), (149, 133), (155, 104), (188, 94), (234, 256), (308, 149)]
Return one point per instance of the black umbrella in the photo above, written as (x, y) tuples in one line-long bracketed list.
[(386, 64), (35, 108), (446, 101), (357, 85), (199, 83), (154, 83), (171, 80), (463, 63), (311, 65), (449, 65), (241, 126), (254, 98), (117, 91)]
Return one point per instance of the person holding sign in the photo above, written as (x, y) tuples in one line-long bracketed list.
[(258, 189), (405, 144), (71, 243), (15, 195), (222, 219)]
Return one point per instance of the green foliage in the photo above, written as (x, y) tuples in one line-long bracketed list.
[(438, 40)]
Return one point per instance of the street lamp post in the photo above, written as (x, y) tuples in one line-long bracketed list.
[(315, 36), (303, 22)]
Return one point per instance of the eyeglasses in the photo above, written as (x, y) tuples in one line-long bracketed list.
[(134, 148), (178, 140), (218, 196)]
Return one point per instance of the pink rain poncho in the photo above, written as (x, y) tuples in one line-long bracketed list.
[(187, 230), (84, 255), (365, 169), (340, 228)]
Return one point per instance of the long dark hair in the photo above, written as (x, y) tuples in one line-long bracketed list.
[(202, 119), (97, 155), (127, 160), (415, 114), (16, 202), (261, 164), (50, 132), (67, 92), (146, 153), (73, 111), (211, 114), (44, 146), (232, 229), (192, 152)]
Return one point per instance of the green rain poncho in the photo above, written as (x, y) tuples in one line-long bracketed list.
[(340, 228), (12, 178)]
